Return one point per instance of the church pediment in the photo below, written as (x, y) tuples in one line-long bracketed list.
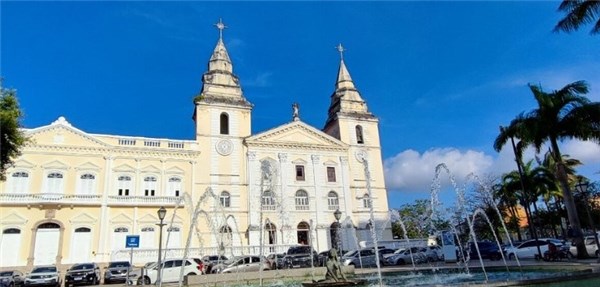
[(148, 218), (296, 135), (21, 163), (61, 132), (124, 168), (88, 166), (55, 164), (174, 170), (150, 169)]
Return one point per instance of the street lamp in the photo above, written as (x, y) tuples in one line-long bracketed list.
[(338, 214), (582, 187), (162, 212)]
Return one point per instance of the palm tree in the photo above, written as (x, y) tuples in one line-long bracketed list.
[(579, 12), (508, 200), (561, 114)]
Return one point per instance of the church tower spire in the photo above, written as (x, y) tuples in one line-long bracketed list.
[(346, 99), (219, 83)]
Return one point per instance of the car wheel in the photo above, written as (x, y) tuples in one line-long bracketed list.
[(400, 262)]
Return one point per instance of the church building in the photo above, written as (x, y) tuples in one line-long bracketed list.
[(74, 196)]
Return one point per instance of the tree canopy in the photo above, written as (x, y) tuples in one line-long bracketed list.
[(12, 137)]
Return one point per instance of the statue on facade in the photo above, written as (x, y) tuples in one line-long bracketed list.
[(295, 111)]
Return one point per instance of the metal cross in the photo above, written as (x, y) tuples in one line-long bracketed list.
[(221, 26), (341, 49)]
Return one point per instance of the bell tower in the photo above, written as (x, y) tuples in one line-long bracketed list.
[(350, 121)]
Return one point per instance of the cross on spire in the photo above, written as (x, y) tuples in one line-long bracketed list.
[(341, 49), (221, 26)]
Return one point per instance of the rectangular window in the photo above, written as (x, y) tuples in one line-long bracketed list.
[(330, 174), (300, 172), (176, 192), (123, 192), (149, 192)]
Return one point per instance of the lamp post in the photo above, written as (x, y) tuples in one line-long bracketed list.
[(162, 212), (582, 187), (338, 214)]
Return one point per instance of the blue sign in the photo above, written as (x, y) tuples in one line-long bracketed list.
[(132, 241)]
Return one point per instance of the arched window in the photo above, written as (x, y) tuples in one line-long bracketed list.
[(225, 236), (333, 201), (366, 201), (359, 135), (301, 200), (271, 233), (11, 231), (268, 200), (174, 186), (149, 186), (48, 225), (124, 185), (83, 229), (19, 182), (147, 237), (225, 199), (54, 182), (87, 184), (121, 230), (224, 121), (302, 233)]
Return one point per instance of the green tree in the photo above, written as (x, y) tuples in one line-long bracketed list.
[(561, 114), (12, 137), (579, 12)]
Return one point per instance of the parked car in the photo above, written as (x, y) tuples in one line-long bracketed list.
[(209, 261), (528, 249), (247, 263), (276, 260), (83, 274), (361, 258), (171, 270), (300, 256), (116, 272), (12, 278), (590, 246), (43, 276), (403, 256), (385, 251), (488, 250)]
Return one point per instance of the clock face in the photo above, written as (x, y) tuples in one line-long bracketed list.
[(224, 147), (360, 155)]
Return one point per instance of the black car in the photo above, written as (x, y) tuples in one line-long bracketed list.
[(83, 274), (300, 256), (488, 250)]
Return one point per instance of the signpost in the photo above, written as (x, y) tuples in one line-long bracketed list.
[(131, 241)]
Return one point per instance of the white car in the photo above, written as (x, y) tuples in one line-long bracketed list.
[(43, 276), (528, 249), (171, 269), (590, 246), (407, 256)]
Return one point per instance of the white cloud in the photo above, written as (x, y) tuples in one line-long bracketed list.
[(585, 151), (411, 171)]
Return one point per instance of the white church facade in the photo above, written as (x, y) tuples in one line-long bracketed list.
[(74, 196)]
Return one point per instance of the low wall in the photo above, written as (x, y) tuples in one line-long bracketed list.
[(271, 276)]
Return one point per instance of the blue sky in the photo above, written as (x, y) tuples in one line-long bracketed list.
[(441, 76)]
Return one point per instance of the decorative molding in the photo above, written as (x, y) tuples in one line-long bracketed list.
[(88, 166), (13, 219), (282, 157), (55, 164), (251, 155), (83, 218)]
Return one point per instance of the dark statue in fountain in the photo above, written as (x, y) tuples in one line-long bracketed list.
[(334, 276)]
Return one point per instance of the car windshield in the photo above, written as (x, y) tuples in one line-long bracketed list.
[(399, 251), (299, 250), (82, 266), (350, 253), (43, 269), (118, 264), (6, 274), (232, 260)]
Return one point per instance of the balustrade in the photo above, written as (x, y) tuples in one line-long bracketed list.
[(42, 198)]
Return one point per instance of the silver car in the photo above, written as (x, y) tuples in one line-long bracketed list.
[(248, 263), (361, 258), (12, 278)]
